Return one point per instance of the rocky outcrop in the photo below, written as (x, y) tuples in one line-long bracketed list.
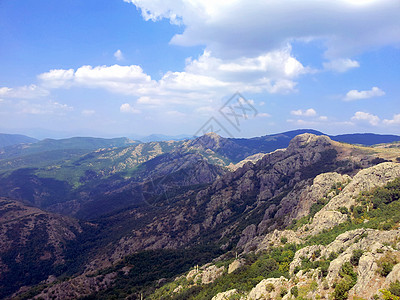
[(268, 289), (364, 180), (225, 295), (206, 274), (236, 264)]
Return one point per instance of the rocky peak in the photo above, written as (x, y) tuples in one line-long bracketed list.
[(309, 140), (210, 140)]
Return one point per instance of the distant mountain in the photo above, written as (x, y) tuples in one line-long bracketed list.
[(75, 143), (367, 139), (269, 143), (14, 139)]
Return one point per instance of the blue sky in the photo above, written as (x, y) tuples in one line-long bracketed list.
[(134, 67)]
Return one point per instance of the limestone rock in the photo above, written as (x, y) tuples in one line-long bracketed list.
[(224, 295), (236, 264), (268, 289)]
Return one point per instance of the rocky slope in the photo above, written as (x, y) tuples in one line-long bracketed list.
[(361, 263), (185, 207), (32, 243)]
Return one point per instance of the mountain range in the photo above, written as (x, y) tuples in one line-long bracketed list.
[(297, 214)]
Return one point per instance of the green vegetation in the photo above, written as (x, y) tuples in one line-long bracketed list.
[(386, 264), (395, 288), (349, 279), (294, 291), (377, 209), (355, 258), (273, 263)]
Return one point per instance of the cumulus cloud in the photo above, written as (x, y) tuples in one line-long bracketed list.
[(118, 55), (57, 78), (358, 95), (366, 117), (341, 65), (304, 113), (394, 121), (346, 27), (127, 108), (263, 115), (24, 92), (116, 78), (204, 78)]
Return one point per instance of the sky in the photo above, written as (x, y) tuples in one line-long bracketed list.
[(241, 68)]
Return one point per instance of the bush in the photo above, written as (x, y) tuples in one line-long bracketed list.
[(270, 287), (349, 279), (283, 292), (395, 288), (284, 240), (355, 258), (294, 291), (386, 264)]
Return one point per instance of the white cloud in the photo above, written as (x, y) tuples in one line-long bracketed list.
[(116, 78), (204, 78), (323, 118), (88, 112), (367, 117), (127, 108), (346, 27), (43, 108), (357, 95), (118, 55), (341, 65), (304, 113), (263, 115), (394, 121), (57, 78), (24, 92)]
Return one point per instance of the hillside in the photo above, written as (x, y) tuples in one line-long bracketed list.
[(15, 139), (145, 214)]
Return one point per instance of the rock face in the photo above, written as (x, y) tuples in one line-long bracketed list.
[(364, 180), (268, 289), (236, 264), (225, 295), (373, 243)]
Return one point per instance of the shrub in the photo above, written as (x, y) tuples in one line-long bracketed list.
[(294, 291), (386, 264), (355, 258), (270, 287), (343, 210), (283, 292), (395, 288), (333, 255), (349, 279), (284, 240)]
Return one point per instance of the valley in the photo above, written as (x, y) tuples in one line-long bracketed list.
[(276, 217)]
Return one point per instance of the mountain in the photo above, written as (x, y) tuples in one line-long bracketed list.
[(269, 143), (197, 218), (32, 244), (367, 139), (15, 139)]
